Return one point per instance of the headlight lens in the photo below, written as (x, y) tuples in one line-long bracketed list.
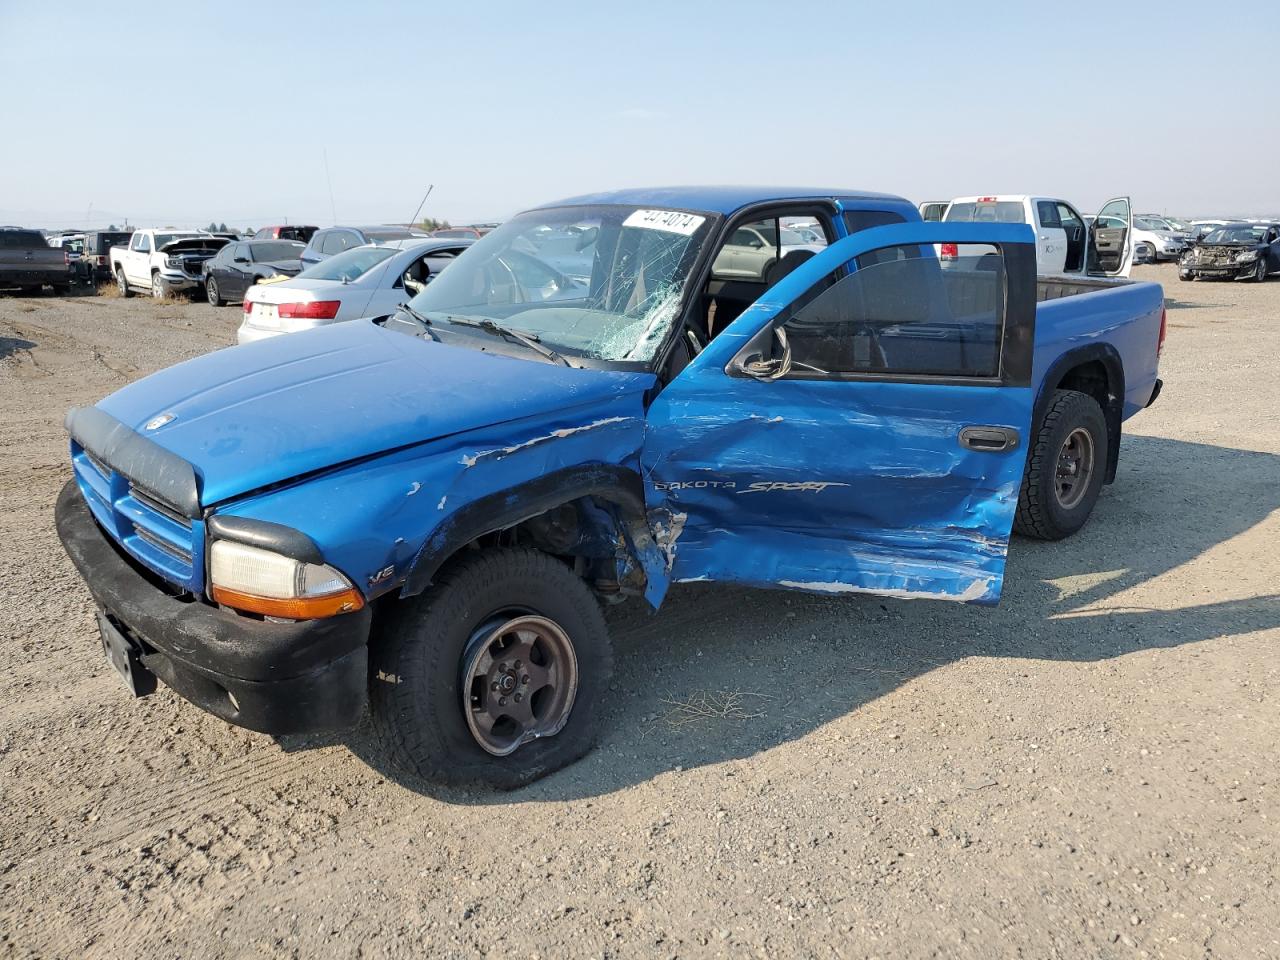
[(1246, 256), (260, 581)]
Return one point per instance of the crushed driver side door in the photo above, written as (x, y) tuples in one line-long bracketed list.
[(878, 444)]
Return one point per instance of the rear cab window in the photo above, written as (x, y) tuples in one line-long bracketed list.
[(986, 210)]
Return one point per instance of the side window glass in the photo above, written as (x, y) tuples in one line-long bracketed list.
[(765, 250), (144, 244), (1048, 213), (904, 310), (1067, 216), (856, 220)]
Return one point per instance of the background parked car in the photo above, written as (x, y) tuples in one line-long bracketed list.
[(287, 232), (1240, 251), (754, 247), (27, 261), (457, 233), (72, 246), (333, 240), (238, 266), (368, 281), (1160, 240), (95, 260)]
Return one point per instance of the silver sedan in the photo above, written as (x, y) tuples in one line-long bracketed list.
[(366, 281)]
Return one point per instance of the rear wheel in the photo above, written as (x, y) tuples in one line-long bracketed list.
[(211, 291), (497, 675), (122, 284), (1065, 468)]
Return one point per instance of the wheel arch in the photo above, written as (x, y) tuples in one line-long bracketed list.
[(1095, 370), (618, 487)]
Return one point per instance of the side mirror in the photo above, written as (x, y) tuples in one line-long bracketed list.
[(774, 368)]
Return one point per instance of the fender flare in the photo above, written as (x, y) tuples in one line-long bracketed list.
[(506, 508), (1112, 410)]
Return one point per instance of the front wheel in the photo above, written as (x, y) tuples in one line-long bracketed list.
[(158, 289), (1065, 467), (497, 675), (1260, 272), (211, 291)]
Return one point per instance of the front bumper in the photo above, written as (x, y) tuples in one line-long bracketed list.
[(1231, 271), (272, 677), (176, 280)]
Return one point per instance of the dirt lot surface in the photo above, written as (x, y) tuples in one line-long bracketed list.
[(1089, 770)]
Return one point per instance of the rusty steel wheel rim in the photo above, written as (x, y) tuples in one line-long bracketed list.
[(519, 681), (1075, 468)]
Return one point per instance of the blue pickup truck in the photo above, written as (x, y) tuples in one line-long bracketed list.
[(421, 514)]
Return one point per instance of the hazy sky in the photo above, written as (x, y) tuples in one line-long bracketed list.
[(183, 113)]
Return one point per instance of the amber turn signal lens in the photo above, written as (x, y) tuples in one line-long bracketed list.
[(295, 608)]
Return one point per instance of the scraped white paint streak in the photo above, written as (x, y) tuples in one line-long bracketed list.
[(975, 591), (414, 489), (440, 505), (472, 459), (666, 535)]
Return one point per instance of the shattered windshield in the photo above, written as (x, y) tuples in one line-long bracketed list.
[(1234, 235), (600, 281)]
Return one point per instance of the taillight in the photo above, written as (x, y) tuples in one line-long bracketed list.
[(66, 258), (248, 306), (950, 251), (1164, 330), (310, 310)]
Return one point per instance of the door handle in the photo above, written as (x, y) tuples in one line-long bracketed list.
[(989, 439)]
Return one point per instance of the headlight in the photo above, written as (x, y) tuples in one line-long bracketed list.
[(1247, 256), (260, 581)]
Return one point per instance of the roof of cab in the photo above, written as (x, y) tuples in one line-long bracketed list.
[(726, 200)]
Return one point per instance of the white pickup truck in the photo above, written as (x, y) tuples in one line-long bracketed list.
[(1066, 245), (163, 261)]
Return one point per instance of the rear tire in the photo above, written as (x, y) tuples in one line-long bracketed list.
[(1065, 468), (122, 284), (419, 665)]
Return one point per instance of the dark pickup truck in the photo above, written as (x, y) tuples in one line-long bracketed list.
[(29, 263)]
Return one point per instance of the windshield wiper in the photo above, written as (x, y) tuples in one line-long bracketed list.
[(530, 340), (414, 313)]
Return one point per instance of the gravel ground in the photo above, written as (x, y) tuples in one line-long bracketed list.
[(1087, 771)]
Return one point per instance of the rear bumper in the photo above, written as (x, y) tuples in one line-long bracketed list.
[(28, 278), (273, 677), (1155, 392), (248, 333)]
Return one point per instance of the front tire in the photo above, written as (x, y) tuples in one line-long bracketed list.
[(1065, 468), (497, 675), (157, 287), (211, 291), (1260, 271)]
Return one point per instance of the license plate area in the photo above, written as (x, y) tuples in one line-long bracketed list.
[(125, 657), (265, 314)]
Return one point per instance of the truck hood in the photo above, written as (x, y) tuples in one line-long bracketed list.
[(258, 414)]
